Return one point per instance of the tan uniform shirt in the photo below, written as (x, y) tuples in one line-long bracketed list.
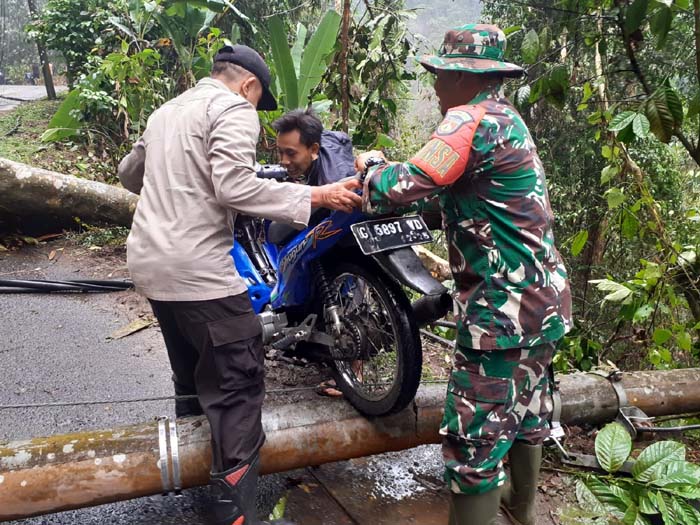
[(194, 169)]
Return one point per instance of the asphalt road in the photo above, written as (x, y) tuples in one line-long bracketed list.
[(55, 348), (12, 96)]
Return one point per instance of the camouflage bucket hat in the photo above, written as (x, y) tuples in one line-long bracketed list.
[(477, 48)]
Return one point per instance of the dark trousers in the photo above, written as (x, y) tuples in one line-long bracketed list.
[(215, 349)]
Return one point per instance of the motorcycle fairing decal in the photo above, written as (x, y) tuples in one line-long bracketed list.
[(444, 158), (323, 231)]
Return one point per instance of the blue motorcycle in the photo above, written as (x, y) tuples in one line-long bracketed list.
[(333, 293)]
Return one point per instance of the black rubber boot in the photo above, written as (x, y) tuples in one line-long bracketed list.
[(519, 497), (478, 509), (234, 496)]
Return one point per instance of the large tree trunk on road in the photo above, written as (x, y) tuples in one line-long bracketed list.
[(30, 192), (44, 475)]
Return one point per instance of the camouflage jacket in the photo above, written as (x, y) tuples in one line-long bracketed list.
[(512, 288)]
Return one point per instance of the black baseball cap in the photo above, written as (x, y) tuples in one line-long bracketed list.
[(250, 60)]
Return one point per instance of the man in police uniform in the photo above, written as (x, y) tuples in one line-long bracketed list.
[(512, 292)]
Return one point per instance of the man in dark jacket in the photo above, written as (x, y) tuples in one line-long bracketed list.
[(309, 153)]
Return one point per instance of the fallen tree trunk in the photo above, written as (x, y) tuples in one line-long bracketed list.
[(45, 475), (29, 192), (435, 264)]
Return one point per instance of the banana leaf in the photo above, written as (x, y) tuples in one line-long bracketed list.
[(284, 66), (313, 63)]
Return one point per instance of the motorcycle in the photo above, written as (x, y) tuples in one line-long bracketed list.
[(333, 293)]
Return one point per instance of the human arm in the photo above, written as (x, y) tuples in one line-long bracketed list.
[(441, 162), (231, 143), (131, 168)]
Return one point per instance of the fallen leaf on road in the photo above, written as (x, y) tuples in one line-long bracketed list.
[(132, 327), (49, 236)]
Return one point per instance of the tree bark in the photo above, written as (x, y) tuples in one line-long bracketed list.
[(29, 192), (436, 265), (43, 57)]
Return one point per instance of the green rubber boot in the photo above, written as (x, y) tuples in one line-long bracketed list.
[(519, 495), (478, 509)]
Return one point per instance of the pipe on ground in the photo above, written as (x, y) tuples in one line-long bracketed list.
[(46, 475)]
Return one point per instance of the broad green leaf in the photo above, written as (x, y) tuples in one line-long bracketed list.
[(284, 66), (63, 124), (660, 118), (642, 313), (313, 62), (622, 120), (661, 25), (544, 39), (633, 517), (641, 126), (647, 502), (298, 47), (608, 173), (613, 445), (530, 49), (674, 104), (522, 96), (661, 335), (579, 242), (630, 225), (615, 197), (682, 4), (512, 30), (278, 511), (655, 457), (686, 512), (587, 92), (384, 141), (634, 15), (685, 341), (595, 495), (619, 292)]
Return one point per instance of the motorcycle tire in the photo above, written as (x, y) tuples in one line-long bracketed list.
[(396, 310)]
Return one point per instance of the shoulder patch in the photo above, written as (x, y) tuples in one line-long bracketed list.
[(444, 158)]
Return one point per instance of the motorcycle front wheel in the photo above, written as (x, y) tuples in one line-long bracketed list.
[(378, 361)]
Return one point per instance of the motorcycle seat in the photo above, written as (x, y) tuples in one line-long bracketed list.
[(280, 233)]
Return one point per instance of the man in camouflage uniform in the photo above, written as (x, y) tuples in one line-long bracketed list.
[(512, 293)]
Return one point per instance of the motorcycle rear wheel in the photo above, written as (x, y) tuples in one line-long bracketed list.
[(383, 375)]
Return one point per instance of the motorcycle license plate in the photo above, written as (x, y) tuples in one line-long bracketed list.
[(388, 234)]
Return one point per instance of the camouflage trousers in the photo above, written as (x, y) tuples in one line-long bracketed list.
[(493, 398)]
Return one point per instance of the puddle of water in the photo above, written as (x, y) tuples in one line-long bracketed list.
[(392, 476)]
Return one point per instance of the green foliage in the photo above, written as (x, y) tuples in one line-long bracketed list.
[(299, 78), (662, 482), (74, 28), (610, 91)]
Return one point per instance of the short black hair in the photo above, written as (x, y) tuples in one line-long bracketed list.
[(304, 120)]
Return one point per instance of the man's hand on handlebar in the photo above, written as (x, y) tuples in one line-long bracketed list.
[(361, 161), (337, 196)]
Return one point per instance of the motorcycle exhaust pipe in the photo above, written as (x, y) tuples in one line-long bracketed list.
[(430, 308)]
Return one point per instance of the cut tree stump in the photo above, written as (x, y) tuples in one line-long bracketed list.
[(34, 192)]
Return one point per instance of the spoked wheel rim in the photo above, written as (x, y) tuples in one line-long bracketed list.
[(369, 328)]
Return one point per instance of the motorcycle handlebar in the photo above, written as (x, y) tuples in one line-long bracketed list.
[(272, 171)]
